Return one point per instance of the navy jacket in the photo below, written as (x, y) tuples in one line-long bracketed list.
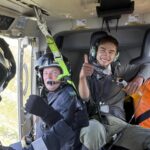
[(54, 139), (61, 101)]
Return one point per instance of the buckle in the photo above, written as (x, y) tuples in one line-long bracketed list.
[(104, 108)]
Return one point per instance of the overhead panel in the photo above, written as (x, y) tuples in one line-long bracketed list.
[(71, 9), (67, 9), (142, 6), (57, 9), (16, 6)]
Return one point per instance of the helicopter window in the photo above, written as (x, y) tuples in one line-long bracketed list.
[(5, 22)]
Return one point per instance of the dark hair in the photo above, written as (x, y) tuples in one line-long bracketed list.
[(110, 39)]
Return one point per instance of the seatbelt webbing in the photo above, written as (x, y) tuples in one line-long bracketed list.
[(53, 47), (143, 117)]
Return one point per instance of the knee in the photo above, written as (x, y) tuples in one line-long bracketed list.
[(93, 136)]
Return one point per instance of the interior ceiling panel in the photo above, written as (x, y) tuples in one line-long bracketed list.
[(71, 9), (74, 9), (142, 6)]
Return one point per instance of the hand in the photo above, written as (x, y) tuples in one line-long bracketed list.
[(77, 118), (87, 69), (37, 106), (134, 85)]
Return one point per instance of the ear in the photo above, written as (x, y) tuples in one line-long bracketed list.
[(116, 57)]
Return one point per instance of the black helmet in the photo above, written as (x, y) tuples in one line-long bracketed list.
[(47, 60), (7, 65)]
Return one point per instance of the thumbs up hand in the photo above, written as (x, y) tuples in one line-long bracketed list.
[(87, 69), (86, 58)]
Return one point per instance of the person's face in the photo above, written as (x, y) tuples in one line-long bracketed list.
[(51, 74), (106, 54)]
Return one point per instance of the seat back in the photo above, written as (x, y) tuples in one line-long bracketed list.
[(145, 52)]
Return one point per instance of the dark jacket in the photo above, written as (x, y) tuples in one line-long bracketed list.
[(61, 101), (108, 90), (54, 139)]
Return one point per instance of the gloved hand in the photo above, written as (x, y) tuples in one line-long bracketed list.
[(37, 106), (77, 118)]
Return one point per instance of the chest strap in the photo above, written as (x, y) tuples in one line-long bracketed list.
[(143, 117)]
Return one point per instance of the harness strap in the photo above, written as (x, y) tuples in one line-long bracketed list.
[(53, 47), (143, 117)]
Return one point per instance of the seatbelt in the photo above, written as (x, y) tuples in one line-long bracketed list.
[(142, 104), (143, 117), (53, 47)]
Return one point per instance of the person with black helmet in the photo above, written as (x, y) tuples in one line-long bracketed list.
[(63, 113), (60, 96), (60, 132), (105, 83)]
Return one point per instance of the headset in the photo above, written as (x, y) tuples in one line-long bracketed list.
[(94, 43), (116, 57)]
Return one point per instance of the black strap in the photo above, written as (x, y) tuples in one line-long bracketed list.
[(143, 117), (12, 64)]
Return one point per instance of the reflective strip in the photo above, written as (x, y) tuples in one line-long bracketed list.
[(39, 144)]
